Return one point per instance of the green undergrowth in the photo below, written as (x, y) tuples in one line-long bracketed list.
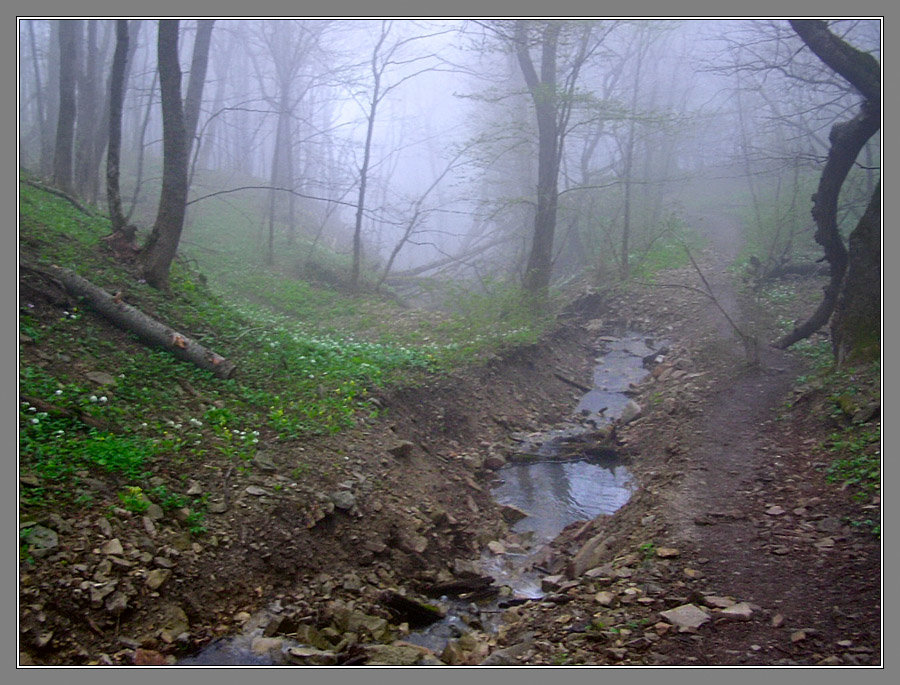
[(310, 360), (850, 401)]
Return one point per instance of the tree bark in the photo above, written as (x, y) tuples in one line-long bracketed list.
[(543, 93), (194, 95), (855, 328), (162, 244), (846, 139), (149, 330), (116, 97), (65, 122)]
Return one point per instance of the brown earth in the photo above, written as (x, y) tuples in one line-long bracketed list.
[(732, 508)]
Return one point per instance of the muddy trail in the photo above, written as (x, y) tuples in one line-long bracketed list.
[(732, 549)]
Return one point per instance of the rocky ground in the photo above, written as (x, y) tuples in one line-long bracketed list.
[(732, 550)]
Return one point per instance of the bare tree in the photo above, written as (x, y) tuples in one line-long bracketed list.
[(116, 97)]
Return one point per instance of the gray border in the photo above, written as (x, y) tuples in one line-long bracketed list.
[(398, 8)]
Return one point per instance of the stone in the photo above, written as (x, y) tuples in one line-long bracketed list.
[(397, 654), (687, 617), (667, 552), (402, 449), (175, 623), (551, 583), (112, 547), (631, 411), (718, 602), (155, 512), (265, 646), (264, 462), (309, 656), (343, 499), (256, 491), (101, 378), (41, 540), (494, 461), (512, 514), (496, 547), (737, 612), (157, 577), (117, 603), (775, 510), (605, 598)]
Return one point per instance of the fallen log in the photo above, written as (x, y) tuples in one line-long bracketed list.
[(147, 329)]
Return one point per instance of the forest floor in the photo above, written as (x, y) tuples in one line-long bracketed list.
[(735, 549)]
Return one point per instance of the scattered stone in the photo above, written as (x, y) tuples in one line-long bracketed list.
[(217, 507), (42, 540), (777, 621), (508, 655), (149, 526), (494, 461), (113, 546), (737, 612), (496, 547), (266, 646), (343, 499), (194, 488), (157, 577), (398, 654), (155, 512), (149, 657), (256, 491), (798, 636), (101, 378), (775, 510), (402, 449), (687, 617), (512, 514), (832, 660), (667, 552), (264, 462), (718, 602), (605, 598), (101, 590), (631, 411), (693, 573), (117, 603), (175, 623), (551, 583)]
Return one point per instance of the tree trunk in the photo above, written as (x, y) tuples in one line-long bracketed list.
[(162, 244), (116, 97), (194, 95), (856, 326), (846, 139), (543, 92), (69, 30), (149, 330), (87, 113)]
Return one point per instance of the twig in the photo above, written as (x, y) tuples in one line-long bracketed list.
[(574, 384), (58, 193)]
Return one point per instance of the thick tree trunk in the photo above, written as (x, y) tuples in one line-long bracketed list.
[(856, 326), (162, 244), (149, 330), (847, 139), (69, 30)]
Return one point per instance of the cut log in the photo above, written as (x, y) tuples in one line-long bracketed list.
[(149, 330)]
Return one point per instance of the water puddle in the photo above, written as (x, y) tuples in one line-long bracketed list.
[(557, 477)]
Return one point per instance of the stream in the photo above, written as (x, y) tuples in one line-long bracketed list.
[(558, 477)]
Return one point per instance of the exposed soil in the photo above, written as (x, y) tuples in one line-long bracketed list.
[(732, 504)]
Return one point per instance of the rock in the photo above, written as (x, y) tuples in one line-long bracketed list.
[(343, 499), (507, 655), (631, 411), (149, 657), (605, 598), (101, 590), (175, 623), (256, 491), (737, 612), (496, 547), (266, 646), (667, 552), (512, 514), (217, 507), (593, 553), (718, 602), (402, 449), (309, 656), (264, 462), (798, 636), (687, 617), (112, 547), (398, 654), (42, 540), (101, 378), (775, 510), (494, 461), (117, 603), (157, 577), (194, 488), (155, 512)]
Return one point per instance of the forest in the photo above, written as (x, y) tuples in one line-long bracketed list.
[(310, 309)]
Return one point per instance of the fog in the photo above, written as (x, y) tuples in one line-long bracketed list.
[(422, 137)]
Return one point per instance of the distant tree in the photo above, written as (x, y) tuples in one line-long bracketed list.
[(116, 98), (856, 328), (69, 31)]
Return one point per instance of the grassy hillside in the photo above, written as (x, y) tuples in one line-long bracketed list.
[(99, 404)]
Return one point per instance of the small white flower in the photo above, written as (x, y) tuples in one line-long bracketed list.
[(93, 398), (32, 408), (103, 399), (58, 392), (35, 420)]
